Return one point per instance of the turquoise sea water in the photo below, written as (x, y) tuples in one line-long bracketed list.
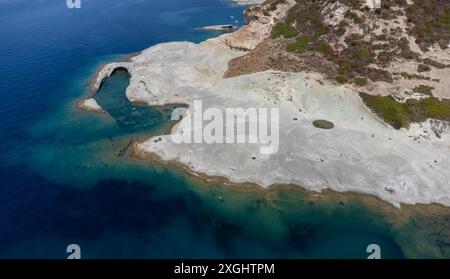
[(62, 179)]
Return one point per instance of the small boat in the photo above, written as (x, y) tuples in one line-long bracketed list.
[(223, 27)]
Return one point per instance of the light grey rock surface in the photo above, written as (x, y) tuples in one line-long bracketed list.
[(360, 154)]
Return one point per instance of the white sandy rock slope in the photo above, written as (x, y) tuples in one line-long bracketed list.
[(360, 154)]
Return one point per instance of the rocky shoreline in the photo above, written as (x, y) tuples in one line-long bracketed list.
[(426, 223), (90, 105), (402, 212), (360, 154)]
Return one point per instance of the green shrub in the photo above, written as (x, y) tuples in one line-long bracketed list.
[(292, 15), (431, 20), (360, 81), (423, 89), (435, 108), (284, 30), (409, 55), (324, 48), (423, 68), (435, 64), (355, 17), (398, 115), (342, 28), (274, 5), (321, 30), (301, 45), (364, 54), (341, 79), (354, 40), (386, 14)]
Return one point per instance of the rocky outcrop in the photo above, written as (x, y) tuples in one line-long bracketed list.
[(104, 73), (258, 28), (378, 51), (90, 105), (373, 4), (361, 153)]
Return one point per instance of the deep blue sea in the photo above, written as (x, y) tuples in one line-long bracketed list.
[(63, 181)]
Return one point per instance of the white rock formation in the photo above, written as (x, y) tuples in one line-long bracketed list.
[(90, 105), (334, 14), (361, 154), (105, 73), (373, 4), (252, 34)]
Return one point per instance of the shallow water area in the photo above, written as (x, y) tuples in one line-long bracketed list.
[(66, 175)]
